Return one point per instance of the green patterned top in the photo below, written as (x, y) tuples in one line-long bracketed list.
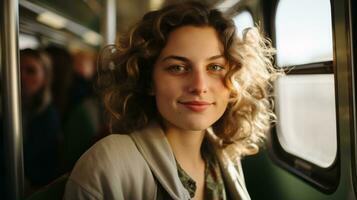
[(214, 184)]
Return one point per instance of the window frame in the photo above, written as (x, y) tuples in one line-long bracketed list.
[(353, 39), (323, 179)]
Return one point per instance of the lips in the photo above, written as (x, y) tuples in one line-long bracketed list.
[(196, 106)]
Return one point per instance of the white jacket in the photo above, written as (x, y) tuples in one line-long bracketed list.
[(128, 167)]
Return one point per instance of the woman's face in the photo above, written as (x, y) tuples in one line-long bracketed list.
[(188, 79), (32, 75)]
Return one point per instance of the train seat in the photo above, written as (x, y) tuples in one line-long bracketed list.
[(53, 191)]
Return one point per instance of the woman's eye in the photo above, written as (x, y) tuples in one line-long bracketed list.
[(177, 69), (216, 68)]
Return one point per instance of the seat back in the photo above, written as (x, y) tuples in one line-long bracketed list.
[(53, 191)]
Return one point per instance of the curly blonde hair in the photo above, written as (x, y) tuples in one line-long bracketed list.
[(125, 75)]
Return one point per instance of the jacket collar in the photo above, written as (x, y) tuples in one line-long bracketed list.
[(231, 170), (156, 150)]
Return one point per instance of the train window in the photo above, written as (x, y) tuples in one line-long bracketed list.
[(299, 132), (305, 138), (299, 25), (242, 21)]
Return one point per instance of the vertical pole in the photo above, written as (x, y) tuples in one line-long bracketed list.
[(110, 22), (11, 103)]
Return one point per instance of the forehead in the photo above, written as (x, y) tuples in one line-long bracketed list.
[(29, 61), (192, 41)]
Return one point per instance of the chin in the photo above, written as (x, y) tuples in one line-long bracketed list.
[(195, 125)]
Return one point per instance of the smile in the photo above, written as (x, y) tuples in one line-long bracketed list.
[(196, 106)]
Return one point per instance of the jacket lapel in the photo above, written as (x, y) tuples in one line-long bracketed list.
[(231, 171), (154, 147)]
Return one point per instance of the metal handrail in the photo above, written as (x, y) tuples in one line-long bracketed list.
[(11, 99), (109, 22)]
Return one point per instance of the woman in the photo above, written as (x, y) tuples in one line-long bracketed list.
[(41, 123), (189, 99)]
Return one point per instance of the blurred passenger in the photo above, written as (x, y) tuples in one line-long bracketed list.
[(189, 99), (41, 121), (62, 62), (82, 84), (83, 123)]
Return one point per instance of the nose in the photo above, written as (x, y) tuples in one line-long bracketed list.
[(198, 83)]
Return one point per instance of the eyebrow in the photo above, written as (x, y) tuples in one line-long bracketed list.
[(184, 59), (174, 57), (215, 57)]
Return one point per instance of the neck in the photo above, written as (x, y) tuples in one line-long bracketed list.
[(186, 145)]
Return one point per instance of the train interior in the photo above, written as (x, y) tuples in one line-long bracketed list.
[(310, 152)]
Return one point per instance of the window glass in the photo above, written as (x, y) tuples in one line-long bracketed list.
[(305, 106), (242, 21), (303, 32)]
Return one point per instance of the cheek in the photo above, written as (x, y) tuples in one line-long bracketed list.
[(36, 82), (29, 80), (222, 90), (164, 87), (165, 93), (39, 80), (225, 95)]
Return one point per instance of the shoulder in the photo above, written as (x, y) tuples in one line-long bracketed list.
[(49, 115), (50, 110), (107, 154), (112, 166), (113, 143), (46, 122)]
